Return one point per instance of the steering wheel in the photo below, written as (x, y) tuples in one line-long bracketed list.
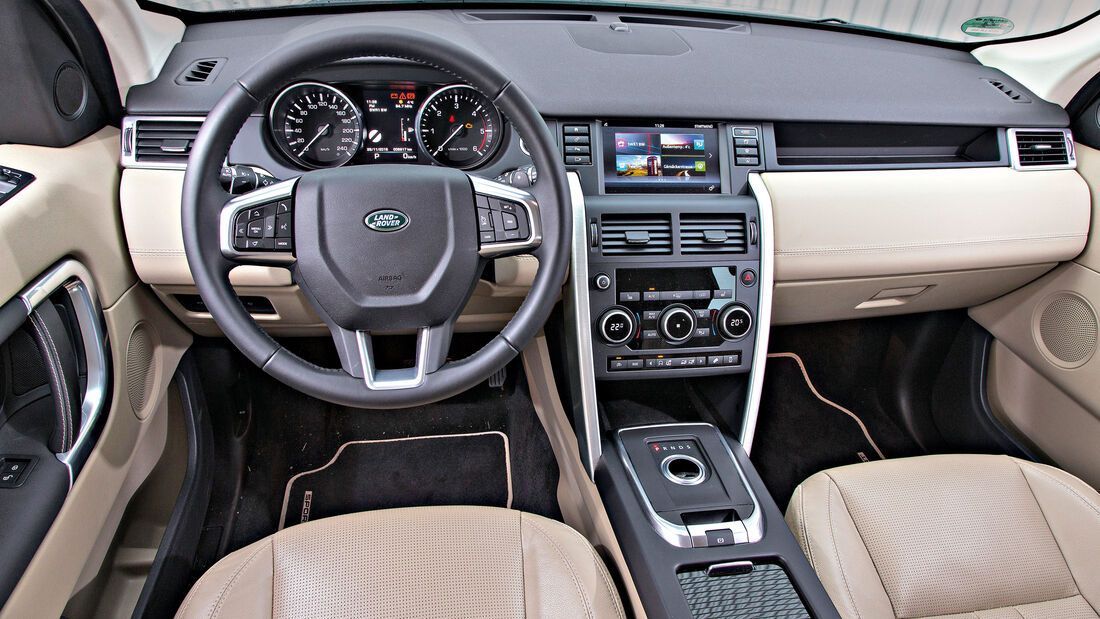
[(376, 248)]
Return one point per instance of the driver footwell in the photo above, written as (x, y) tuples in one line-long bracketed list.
[(504, 456), (445, 469)]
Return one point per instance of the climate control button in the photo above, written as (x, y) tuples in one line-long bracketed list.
[(616, 326), (734, 321), (677, 324)]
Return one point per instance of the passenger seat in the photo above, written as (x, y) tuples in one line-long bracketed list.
[(975, 536)]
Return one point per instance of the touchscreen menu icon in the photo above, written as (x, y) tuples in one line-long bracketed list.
[(660, 154)]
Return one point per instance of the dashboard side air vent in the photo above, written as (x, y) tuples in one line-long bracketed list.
[(200, 71), (631, 234), (158, 142), (1041, 148), (713, 233), (1008, 90)]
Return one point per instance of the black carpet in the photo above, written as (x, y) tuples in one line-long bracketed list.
[(457, 469), (797, 435), (292, 433)]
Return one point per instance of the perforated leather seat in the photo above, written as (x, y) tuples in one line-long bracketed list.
[(412, 562), (952, 536)]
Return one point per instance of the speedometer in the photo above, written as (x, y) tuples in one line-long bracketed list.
[(315, 125), (458, 127)]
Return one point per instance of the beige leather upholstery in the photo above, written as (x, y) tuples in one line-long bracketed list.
[(952, 536), (412, 562)]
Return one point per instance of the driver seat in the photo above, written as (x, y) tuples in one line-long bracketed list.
[(411, 562)]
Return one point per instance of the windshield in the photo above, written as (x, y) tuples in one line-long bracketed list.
[(944, 20)]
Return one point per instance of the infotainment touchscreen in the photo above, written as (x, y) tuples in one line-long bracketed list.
[(661, 158)]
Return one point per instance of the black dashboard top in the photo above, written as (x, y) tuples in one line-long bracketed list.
[(585, 68)]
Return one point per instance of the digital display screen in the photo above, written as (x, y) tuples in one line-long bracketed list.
[(389, 124), (661, 159)]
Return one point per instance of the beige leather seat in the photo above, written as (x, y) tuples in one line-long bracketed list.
[(413, 562), (952, 536)]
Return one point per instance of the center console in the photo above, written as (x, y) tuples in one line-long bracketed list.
[(673, 257), (671, 279), (707, 540)]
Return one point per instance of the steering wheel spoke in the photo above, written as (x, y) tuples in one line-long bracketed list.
[(357, 357), (509, 221), (258, 227)]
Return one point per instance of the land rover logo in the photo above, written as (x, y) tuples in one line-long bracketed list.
[(386, 220)]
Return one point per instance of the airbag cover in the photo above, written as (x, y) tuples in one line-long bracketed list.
[(386, 247)]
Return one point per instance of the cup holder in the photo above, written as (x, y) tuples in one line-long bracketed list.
[(683, 470)]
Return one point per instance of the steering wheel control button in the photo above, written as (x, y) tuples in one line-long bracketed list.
[(503, 221), (748, 278), (484, 220), (677, 324), (616, 326), (602, 281), (264, 227), (284, 225), (734, 322)]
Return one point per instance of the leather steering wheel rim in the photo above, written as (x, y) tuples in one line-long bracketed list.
[(203, 198)]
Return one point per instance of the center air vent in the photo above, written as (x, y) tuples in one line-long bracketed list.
[(1034, 148), (713, 233), (158, 142), (636, 234)]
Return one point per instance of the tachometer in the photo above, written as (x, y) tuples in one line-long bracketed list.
[(315, 125), (457, 126)]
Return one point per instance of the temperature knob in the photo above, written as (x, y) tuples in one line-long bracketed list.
[(734, 321), (617, 326)]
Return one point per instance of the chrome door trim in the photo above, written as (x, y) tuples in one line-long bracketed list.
[(77, 281)]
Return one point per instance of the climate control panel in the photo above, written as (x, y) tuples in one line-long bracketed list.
[(697, 320)]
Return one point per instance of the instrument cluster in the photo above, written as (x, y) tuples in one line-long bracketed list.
[(317, 125)]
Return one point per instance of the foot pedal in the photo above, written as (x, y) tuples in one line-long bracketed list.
[(496, 381)]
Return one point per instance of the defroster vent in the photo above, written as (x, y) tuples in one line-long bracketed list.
[(713, 233), (635, 234)]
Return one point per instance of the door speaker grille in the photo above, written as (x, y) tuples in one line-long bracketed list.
[(1068, 330), (141, 368)]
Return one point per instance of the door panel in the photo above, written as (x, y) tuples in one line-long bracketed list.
[(1044, 370), (71, 212)]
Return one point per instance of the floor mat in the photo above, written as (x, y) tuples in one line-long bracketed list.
[(799, 434), (449, 469), (292, 433)]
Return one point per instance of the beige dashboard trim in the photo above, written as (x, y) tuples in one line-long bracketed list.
[(897, 222), (69, 210)]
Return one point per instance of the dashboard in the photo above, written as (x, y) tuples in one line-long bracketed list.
[(886, 196)]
